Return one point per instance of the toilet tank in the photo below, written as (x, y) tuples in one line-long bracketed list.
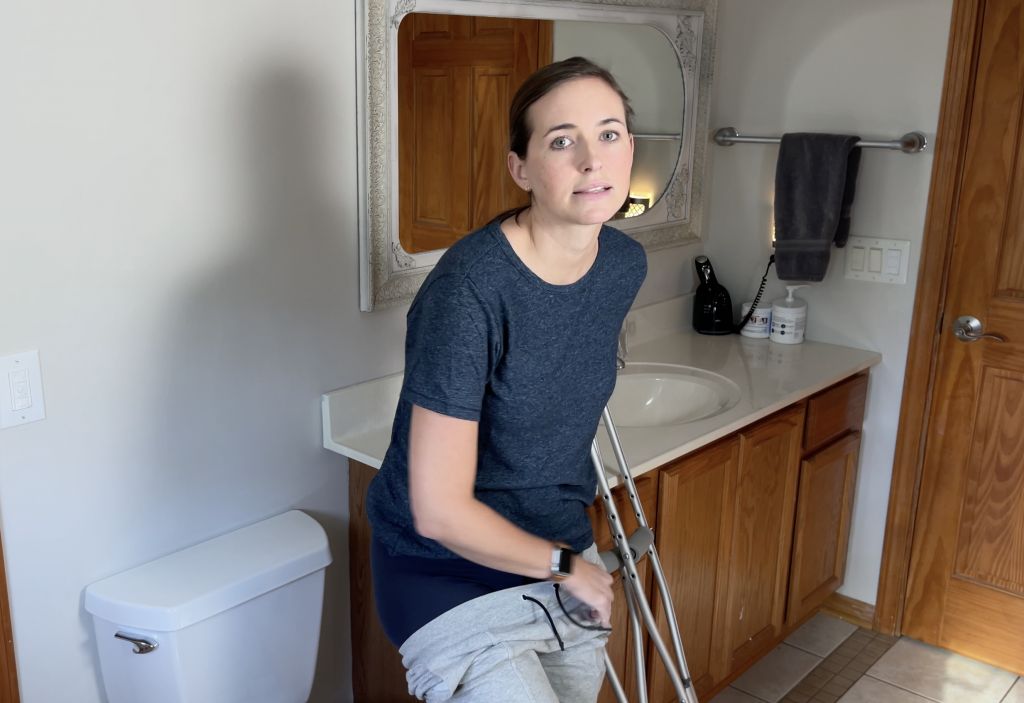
[(232, 619)]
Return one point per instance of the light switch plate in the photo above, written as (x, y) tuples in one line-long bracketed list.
[(21, 389), (875, 259)]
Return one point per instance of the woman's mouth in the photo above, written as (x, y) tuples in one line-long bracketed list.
[(595, 189)]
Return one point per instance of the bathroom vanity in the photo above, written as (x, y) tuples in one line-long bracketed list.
[(750, 502)]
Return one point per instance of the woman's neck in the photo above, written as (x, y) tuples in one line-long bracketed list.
[(559, 255)]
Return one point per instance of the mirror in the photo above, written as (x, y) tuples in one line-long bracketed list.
[(456, 78), (662, 58)]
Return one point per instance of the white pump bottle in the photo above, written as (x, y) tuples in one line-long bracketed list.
[(789, 318)]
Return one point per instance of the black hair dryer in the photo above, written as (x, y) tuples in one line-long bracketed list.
[(712, 306)]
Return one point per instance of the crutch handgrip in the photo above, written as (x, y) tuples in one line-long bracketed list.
[(639, 544)]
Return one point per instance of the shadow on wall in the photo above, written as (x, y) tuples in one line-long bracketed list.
[(251, 342)]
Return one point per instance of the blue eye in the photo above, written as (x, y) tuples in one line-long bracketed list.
[(560, 142), (609, 136)]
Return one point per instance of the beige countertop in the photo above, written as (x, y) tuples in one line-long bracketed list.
[(357, 420)]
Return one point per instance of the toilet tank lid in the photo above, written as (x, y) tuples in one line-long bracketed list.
[(196, 583)]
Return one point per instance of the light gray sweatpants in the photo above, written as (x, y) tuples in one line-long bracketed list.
[(501, 648)]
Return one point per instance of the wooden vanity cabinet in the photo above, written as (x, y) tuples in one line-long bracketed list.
[(724, 533), (693, 540), (822, 529), (763, 505), (828, 475), (753, 531)]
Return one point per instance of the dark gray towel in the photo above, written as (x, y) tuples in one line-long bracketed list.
[(815, 179)]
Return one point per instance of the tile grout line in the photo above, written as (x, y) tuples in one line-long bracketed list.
[(825, 676), (1016, 681), (748, 693), (785, 693), (821, 658), (756, 698), (816, 654), (902, 688)]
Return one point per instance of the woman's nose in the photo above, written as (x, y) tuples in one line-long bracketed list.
[(588, 158)]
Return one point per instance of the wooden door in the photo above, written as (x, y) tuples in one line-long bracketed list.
[(8, 670), (456, 79), (821, 534), (966, 583), (693, 539), (763, 503)]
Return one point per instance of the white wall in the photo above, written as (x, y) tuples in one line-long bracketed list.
[(177, 232), (874, 68)]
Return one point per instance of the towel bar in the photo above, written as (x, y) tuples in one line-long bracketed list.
[(909, 143)]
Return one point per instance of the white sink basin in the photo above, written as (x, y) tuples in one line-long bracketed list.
[(659, 395)]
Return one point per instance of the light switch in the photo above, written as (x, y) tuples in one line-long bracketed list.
[(856, 258), (892, 262), (875, 260), (21, 394), (22, 400)]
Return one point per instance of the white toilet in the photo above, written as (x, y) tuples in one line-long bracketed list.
[(233, 619)]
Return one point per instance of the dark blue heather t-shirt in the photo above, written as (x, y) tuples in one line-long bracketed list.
[(533, 363)]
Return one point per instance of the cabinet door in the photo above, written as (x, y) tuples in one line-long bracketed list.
[(620, 644), (824, 505), (693, 540), (762, 508)]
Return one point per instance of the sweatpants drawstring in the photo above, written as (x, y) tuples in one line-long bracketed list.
[(551, 622)]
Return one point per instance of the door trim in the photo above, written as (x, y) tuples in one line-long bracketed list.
[(927, 323), (8, 667)]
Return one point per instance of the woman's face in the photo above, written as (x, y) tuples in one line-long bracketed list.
[(580, 155)]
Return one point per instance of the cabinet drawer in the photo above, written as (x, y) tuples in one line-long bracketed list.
[(835, 411)]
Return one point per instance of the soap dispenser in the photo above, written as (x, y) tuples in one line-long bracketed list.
[(789, 318)]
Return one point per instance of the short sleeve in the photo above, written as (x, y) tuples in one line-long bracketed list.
[(447, 349)]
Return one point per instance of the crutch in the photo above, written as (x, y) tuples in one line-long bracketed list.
[(623, 559)]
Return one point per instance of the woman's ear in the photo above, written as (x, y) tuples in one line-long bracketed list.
[(517, 169)]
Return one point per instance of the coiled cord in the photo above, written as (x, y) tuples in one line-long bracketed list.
[(757, 298)]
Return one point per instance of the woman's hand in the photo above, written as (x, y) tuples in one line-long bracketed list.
[(592, 585)]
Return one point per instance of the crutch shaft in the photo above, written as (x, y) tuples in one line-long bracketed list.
[(682, 686), (659, 574)]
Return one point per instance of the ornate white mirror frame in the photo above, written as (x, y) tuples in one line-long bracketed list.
[(388, 275)]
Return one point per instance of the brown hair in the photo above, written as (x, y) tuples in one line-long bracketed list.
[(539, 84)]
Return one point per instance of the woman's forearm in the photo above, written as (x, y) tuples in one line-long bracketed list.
[(442, 473), (475, 531)]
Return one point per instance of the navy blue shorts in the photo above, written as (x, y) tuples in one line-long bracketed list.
[(412, 591)]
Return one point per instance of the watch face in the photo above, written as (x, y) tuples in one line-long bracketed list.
[(565, 561)]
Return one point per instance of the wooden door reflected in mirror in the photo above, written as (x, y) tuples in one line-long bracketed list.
[(456, 78)]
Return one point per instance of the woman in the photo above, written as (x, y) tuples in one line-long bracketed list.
[(480, 503)]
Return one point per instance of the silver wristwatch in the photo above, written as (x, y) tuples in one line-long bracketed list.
[(561, 562)]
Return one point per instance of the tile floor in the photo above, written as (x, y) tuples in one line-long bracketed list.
[(828, 660)]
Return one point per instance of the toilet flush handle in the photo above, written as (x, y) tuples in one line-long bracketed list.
[(142, 645)]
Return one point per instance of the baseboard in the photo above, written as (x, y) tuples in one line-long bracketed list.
[(851, 610)]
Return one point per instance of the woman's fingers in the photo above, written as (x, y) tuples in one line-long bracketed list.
[(593, 586)]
